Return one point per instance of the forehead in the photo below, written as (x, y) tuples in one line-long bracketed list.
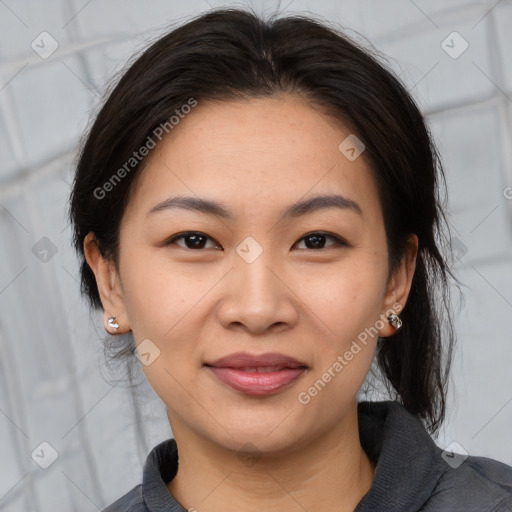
[(257, 156)]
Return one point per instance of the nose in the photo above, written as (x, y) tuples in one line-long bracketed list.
[(257, 298)]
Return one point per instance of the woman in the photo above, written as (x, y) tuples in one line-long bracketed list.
[(258, 204)]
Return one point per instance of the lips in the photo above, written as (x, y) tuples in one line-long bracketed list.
[(260, 369), (245, 360), (257, 375)]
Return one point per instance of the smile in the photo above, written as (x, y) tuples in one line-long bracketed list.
[(257, 381)]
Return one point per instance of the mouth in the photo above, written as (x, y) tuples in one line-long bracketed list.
[(257, 375), (260, 369)]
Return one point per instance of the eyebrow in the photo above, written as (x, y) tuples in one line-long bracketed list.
[(297, 209)]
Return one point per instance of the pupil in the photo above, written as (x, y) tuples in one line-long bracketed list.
[(197, 240), (318, 239)]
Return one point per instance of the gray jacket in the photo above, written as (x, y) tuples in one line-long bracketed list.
[(413, 474)]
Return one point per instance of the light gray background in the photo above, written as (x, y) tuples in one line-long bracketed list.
[(52, 385)]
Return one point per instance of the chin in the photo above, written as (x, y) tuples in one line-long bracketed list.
[(258, 437)]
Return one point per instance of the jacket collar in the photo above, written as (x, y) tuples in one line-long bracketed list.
[(409, 463)]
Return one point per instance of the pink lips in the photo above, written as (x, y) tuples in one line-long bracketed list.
[(260, 375)]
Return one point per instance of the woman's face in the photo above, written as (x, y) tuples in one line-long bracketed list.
[(305, 284)]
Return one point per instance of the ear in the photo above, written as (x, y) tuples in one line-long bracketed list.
[(399, 285), (109, 286)]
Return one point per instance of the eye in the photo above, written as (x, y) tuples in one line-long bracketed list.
[(196, 240), (317, 239), (193, 240)]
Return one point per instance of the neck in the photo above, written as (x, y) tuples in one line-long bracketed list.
[(331, 471)]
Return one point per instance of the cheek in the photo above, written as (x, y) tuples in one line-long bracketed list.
[(165, 304), (157, 295), (346, 296), (346, 306)]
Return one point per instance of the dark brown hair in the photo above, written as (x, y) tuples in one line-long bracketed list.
[(230, 54)]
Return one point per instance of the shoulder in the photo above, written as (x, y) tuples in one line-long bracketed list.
[(132, 501), (479, 484)]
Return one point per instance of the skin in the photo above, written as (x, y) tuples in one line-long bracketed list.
[(256, 157)]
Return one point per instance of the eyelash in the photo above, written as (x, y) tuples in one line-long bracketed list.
[(338, 242)]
